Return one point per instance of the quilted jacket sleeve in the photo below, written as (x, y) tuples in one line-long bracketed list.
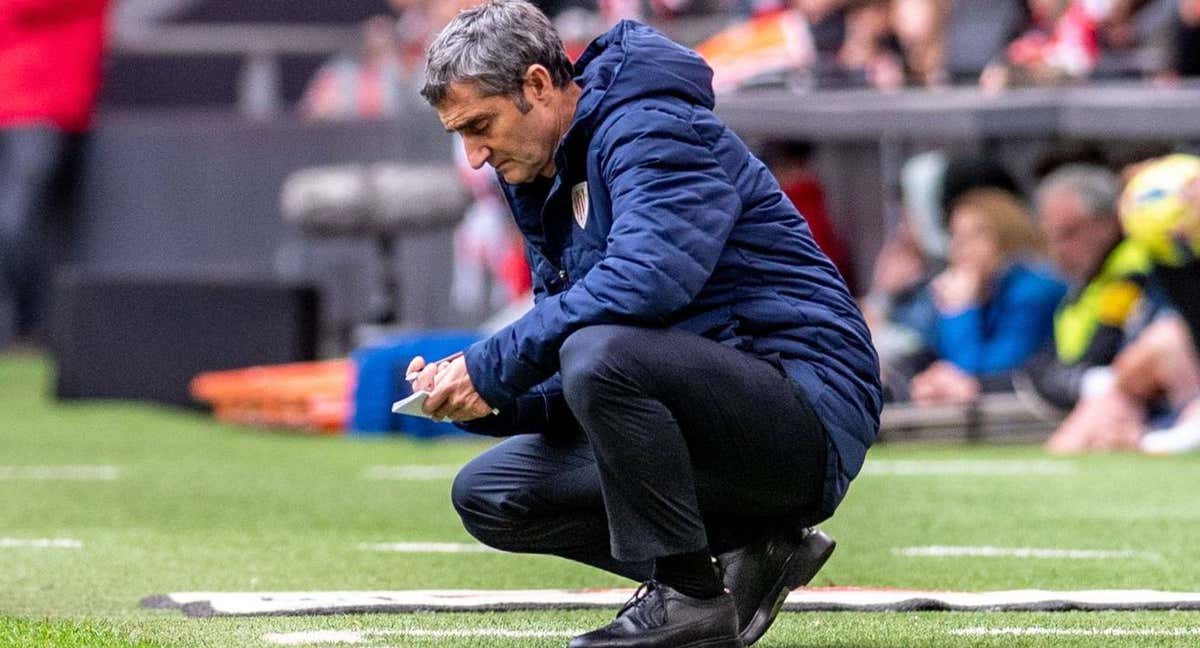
[(673, 208)]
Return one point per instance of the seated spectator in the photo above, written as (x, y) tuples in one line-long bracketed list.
[(1154, 379), (366, 85), (919, 26), (977, 32), (1108, 303), (1185, 38), (1061, 45), (899, 304), (868, 49), (995, 300)]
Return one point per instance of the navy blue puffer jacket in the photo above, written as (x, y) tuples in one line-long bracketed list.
[(682, 227)]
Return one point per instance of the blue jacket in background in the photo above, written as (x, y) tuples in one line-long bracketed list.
[(686, 229), (1001, 334)]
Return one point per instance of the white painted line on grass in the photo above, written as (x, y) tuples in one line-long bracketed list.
[(210, 604), (40, 543), (55, 473), (426, 547), (968, 467), (411, 473), (942, 551), (313, 637), (1078, 632)]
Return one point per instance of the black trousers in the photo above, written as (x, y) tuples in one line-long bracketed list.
[(677, 443), (1183, 290)]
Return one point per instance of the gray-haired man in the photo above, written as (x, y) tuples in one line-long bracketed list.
[(694, 379)]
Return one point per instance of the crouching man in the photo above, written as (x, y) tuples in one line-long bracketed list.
[(694, 388)]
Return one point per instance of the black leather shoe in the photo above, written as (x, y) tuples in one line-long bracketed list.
[(659, 617), (761, 574)]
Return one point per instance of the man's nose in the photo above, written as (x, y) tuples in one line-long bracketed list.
[(477, 154)]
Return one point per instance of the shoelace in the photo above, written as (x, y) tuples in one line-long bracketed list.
[(636, 604)]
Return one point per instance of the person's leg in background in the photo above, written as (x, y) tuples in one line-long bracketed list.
[(31, 161)]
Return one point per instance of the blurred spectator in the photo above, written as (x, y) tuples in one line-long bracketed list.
[(490, 268), (50, 64), (869, 48), (366, 85), (919, 26), (1186, 36), (899, 304), (371, 83), (995, 300), (1154, 380), (977, 32), (1066, 42), (790, 163), (1108, 303)]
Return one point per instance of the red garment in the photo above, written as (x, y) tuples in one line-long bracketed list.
[(808, 195), (50, 56)]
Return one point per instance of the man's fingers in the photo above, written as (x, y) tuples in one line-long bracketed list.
[(414, 368), (438, 399)]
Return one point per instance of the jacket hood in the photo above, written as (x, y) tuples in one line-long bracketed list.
[(632, 61)]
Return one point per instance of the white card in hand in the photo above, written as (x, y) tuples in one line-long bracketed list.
[(412, 404)]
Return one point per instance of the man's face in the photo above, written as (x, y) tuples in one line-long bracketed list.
[(519, 145), (1077, 241)]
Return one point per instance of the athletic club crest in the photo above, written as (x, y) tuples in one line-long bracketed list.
[(579, 204)]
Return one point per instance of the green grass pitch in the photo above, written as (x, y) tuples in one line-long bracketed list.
[(199, 506)]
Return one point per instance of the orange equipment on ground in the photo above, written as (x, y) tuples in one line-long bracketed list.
[(311, 396)]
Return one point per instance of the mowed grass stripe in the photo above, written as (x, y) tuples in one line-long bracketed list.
[(967, 467), (1077, 632), (942, 551), (426, 547), (59, 473), (411, 472), (317, 637)]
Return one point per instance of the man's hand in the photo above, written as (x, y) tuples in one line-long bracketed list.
[(944, 384), (453, 394), (423, 376), (957, 289)]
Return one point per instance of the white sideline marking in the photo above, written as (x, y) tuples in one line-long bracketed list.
[(362, 636), (48, 473), (425, 547), (941, 551), (298, 603), (1079, 632), (41, 543), (981, 467), (411, 473)]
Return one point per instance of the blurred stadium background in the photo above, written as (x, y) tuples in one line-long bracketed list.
[(256, 222)]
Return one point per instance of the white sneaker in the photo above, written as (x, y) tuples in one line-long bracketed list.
[(1183, 437)]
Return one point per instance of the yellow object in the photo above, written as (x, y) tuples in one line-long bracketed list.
[(1109, 298), (1155, 213)]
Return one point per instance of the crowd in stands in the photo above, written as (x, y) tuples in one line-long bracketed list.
[(995, 43), (1056, 304), (885, 44)]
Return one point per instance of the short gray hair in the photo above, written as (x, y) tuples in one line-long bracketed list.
[(1097, 187), (493, 45)]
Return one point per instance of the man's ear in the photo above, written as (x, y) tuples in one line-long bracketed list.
[(538, 84)]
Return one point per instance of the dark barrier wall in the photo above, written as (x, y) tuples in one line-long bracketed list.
[(198, 194)]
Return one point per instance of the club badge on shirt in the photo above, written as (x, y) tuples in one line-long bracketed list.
[(579, 204)]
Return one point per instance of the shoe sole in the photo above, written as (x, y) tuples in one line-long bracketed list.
[(725, 642), (801, 567)]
